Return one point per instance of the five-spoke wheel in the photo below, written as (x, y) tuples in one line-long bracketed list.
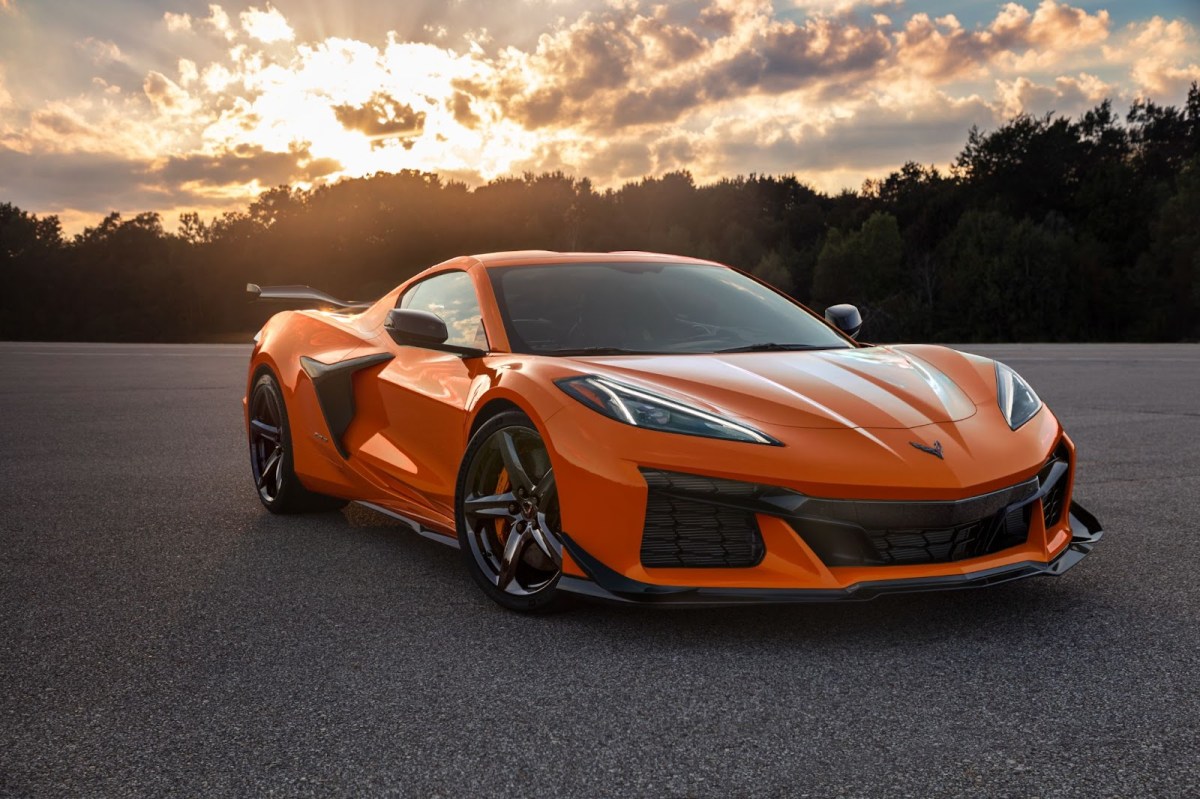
[(508, 514)]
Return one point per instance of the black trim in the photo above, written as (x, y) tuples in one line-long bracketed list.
[(606, 584), (778, 501), (453, 349), (334, 385)]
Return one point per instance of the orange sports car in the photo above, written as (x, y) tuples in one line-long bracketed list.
[(658, 429)]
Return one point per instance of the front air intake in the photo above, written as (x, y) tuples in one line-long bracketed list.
[(686, 525), (1054, 498)]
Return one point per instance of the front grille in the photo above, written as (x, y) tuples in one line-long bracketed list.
[(927, 546), (982, 537), (897, 533), (696, 531)]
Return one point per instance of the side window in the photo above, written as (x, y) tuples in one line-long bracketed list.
[(450, 295)]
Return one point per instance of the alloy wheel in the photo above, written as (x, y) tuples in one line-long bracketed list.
[(266, 443), (511, 507)]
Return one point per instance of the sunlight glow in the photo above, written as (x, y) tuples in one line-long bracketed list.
[(367, 109)]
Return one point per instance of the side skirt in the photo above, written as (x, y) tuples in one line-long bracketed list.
[(415, 525)]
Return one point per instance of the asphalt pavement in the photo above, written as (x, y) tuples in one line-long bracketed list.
[(161, 634)]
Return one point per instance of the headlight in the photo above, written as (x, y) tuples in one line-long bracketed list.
[(1018, 402), (634, 406)]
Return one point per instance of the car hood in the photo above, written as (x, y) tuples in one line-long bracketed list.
[(871, 387)]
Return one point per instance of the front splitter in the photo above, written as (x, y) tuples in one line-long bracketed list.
[(605, 584)]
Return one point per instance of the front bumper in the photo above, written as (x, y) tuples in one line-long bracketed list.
[(605, 584)]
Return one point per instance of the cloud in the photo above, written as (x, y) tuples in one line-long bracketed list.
[(1165, 55), (217, 78), (101, 52), (267, 26), (623, 66), (1070, 96), (877, 137), (460, 105), (167, 97), (188, 74), (219, 21), (841, 6), (99, 182), (820, 48), (105, 123), (834, 91), (942, 49), (9, 6), (102, 182), (381, 118), (60, 122), (245, 164), (177, 22)]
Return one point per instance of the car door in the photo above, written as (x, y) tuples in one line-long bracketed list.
[(421, 397)]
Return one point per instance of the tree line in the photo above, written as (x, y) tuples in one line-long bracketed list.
[(1045, 229)]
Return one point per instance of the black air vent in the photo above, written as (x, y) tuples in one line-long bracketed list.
[(1054, 500), (686, 527)]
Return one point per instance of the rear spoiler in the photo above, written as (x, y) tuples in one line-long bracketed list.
[(303, 294)]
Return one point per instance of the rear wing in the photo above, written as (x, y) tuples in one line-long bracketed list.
[(302, 294)]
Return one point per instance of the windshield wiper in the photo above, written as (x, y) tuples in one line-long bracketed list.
[(771, 346), (596, 351)]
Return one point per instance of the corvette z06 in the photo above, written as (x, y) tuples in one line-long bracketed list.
[(657, 429)]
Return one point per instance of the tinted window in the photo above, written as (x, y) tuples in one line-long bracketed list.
[(450, 295), (648, 307)]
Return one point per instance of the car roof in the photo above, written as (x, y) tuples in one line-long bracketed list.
[(544, 257)]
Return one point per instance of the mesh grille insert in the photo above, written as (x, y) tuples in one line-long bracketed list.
[(686, 533), (972, 540)]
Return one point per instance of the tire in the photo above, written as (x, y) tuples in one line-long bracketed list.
[(271, 462), (506, 508)]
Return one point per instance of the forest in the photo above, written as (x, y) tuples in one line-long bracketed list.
[(1045, 229)]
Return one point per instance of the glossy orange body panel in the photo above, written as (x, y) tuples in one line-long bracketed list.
[(846, 419)]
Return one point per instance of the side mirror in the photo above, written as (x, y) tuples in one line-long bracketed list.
[(845, 318), (417, 328)]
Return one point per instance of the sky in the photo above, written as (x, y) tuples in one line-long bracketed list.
[(185, 105)]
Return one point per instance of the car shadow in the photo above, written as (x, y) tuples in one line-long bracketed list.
[(1021, 609)]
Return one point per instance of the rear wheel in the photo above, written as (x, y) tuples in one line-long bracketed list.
[(271, 463), (508, 515)]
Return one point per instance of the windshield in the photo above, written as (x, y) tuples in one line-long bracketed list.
[(564, 309)]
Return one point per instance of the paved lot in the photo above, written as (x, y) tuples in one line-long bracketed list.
[(161, 634)]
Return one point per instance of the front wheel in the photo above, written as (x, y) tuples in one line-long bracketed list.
[(508, 515)]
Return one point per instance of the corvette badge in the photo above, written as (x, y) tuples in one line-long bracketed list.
[(936, 449)]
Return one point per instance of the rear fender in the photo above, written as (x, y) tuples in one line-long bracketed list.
[(281, 343)]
